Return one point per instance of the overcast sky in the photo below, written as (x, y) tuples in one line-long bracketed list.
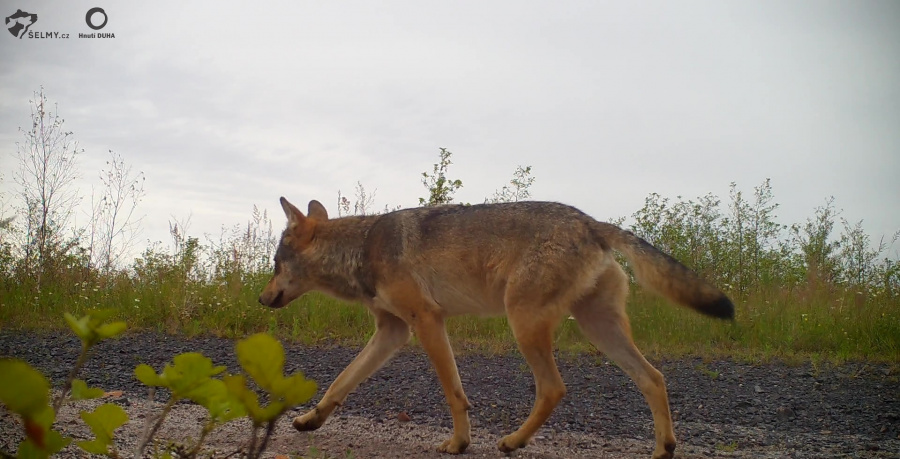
[(226, 104)]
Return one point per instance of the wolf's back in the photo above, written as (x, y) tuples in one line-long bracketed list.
[(667, 276)]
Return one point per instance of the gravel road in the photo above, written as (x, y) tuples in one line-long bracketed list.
[(721, 408)]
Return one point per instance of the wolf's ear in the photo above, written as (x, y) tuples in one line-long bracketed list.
[(317, 210), (293, 214)]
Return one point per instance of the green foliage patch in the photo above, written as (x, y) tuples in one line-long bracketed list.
[(191, 376), (103, 421)]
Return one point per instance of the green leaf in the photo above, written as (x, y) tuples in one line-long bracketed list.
[(145, 374), (90, 327), (111, 330), (56, 442), (28, 450), (103, 421), (44, 418), (24, 391), (262, 357), (222, 405), (93, 446), (297, 390), (237, 386), (40, 441), (81, 391), (186, 377), (191, 371), (79, 326)]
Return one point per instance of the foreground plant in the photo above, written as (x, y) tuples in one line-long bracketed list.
[(190, 376), (90, 329), (26, 392), (262, 357)]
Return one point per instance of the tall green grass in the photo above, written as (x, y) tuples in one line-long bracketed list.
[(791, 325), (189, 308), (836, 326), (801, 291)]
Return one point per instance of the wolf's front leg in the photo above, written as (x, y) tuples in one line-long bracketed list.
[(391, 334)]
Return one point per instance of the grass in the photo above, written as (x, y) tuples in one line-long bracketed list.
[(728, 448), (793, 326), (784, 325), (315, 453)]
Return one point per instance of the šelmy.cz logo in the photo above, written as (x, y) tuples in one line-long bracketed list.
[(18, 23)]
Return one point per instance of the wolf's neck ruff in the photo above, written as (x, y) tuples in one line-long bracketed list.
[(340, 248)]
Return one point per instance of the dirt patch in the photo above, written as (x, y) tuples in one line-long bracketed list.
[(341, 437), (721, 408)]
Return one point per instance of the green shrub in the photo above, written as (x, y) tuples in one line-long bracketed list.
[(191, 376)]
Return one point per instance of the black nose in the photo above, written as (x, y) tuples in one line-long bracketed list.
[(261, 301)]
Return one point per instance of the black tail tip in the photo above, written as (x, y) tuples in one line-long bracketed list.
[(720, 308)]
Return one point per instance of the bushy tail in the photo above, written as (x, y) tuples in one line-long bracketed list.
[(667, 276)]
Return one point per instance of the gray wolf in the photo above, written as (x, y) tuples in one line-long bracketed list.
[(535, 262)]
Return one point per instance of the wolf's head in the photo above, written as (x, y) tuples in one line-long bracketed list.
[(292, 258)]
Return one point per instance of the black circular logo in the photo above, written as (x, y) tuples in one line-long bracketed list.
[(90, 14)]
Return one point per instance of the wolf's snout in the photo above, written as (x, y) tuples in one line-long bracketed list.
[(266, 299), (276, 303)]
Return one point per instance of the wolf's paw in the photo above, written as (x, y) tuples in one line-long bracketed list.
[(667, 452), (511, 443), (308, 421), (454, 445)]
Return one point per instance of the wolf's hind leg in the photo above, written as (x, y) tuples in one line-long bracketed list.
[(601, 317), (390, 335)]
